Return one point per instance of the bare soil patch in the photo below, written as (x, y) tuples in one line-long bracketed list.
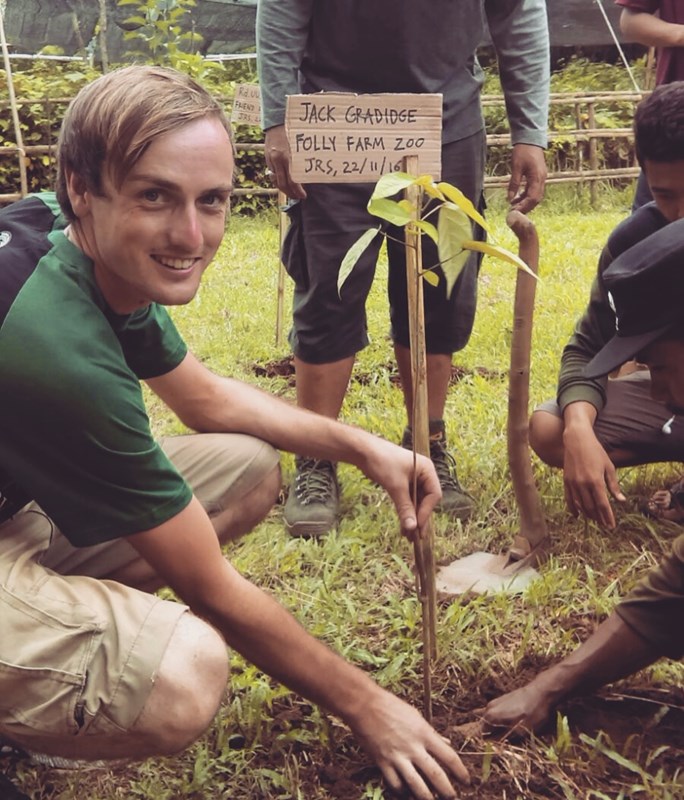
[(284, 368)]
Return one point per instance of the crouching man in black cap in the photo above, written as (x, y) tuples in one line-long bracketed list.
[(646, 287)]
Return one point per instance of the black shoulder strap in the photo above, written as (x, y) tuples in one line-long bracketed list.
[(12, 498)]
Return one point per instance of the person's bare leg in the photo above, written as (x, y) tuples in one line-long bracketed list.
[(322, 387), (186, 692), (613, 651), (241, 518), (235, 521), (438, 377), (546, 437)]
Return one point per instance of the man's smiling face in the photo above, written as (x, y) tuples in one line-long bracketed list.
[(152, 238)]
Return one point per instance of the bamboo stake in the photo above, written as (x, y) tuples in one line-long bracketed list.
[(104, 54), (280, 301), (593, 153), (423, 546), (13, 103)]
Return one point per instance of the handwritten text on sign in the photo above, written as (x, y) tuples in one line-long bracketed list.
[(344, 138), (246, 104)]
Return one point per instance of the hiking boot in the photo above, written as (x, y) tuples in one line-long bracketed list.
[(313, 501), (455, 502)]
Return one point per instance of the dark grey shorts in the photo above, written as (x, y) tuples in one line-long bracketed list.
[(632, 421), (324, 226)]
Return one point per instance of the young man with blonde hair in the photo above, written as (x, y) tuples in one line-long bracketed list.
[(96, 514)]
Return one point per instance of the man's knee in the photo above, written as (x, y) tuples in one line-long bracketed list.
[(239, 518), (546, 437), (266, 494), (189, 687)]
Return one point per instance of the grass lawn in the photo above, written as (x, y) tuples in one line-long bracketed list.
[(355, 588)]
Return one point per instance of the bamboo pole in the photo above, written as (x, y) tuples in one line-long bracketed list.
[(491, 182), (559, 98), (593, 152), (650, 76), (23, 180), (104, 54), (580, 133), (280, 300), (424, 545)]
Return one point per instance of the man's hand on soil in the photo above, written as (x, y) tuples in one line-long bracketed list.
[(589, 477), (408, 750)]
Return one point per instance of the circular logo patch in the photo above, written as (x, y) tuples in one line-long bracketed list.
[(5, 238)]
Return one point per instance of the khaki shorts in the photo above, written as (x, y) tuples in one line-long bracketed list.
[(78, 652)]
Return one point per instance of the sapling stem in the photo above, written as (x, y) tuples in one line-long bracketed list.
[(424, 544)]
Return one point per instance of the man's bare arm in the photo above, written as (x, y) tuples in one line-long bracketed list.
[(645, 28), (186, 555), (206, 402)]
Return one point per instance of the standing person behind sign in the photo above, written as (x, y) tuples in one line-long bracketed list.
[(306, 46), (659, 24)]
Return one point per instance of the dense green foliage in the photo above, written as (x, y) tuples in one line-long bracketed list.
[(158, 33), (567, 153)]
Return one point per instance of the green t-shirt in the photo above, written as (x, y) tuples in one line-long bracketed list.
[(74, 432)]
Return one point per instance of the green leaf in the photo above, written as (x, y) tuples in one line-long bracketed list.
[(453, 229), (392, 183), (429, 228), (501, 253), (430, 187), (431, 277), (352, 256), (389, 210), (487, 762), (618, 758), (456, 196)]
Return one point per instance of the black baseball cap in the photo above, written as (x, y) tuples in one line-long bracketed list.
[(645, 286)]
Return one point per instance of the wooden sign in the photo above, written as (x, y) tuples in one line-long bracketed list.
[(349, 138), (246, 104)]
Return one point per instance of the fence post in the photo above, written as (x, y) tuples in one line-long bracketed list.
[(13, 104), (593, 151)]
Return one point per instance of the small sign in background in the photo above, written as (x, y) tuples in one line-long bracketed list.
[(246, 104)]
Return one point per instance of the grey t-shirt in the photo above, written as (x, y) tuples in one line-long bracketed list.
[(369, 46)]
